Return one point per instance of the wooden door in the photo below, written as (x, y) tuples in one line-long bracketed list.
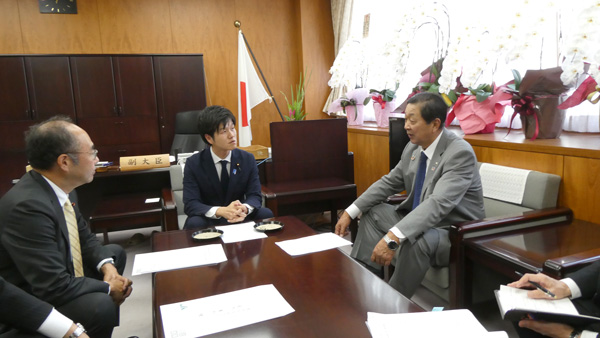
[(94, 87), (50, 90), (180, 87), (134, 79), (14, 100)]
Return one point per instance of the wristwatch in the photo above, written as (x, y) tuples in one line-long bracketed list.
[(392, 244), (78, 331)]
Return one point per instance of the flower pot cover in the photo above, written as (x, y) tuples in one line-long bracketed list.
[(355, 118), (382, 116), (549, 118)]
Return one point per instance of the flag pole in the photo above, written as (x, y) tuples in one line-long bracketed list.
[(238, 24)]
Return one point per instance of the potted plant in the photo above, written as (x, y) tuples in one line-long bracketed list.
[(295, 111), (384, 103)]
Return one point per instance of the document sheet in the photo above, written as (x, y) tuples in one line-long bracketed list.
[(178, 259), (516, 299), (204, 316), (453, 323), (240, 232), (315, 243)]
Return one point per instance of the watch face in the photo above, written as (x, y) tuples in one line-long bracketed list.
[(58, 6), (392, 245)]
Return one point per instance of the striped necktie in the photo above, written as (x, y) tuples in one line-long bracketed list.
[(73, 238)]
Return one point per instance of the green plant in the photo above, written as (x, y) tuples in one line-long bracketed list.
[(295, 111)]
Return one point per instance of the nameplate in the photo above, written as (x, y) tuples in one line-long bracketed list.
[(130, 163)]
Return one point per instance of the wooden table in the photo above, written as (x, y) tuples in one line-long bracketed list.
[(555, 250), (330, 292)]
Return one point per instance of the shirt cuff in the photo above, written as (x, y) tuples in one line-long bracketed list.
[(398, 234), (575, 291), (104, 261), (250, 208), (212, 212), (589, 334), (55, 325), (353, 211)]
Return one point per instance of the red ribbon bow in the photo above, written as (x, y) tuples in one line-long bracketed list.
[(379, 99), (524, 105)]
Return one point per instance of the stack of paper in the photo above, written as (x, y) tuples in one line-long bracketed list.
[(454, 323)]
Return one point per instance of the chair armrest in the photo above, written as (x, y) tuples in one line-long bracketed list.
[(268, 193), (168, 200), (560, 266), (169, 210), (516, 222), (397, 198)]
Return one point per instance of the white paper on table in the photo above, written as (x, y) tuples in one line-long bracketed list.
[(178, 259), (240, 232), (452, 323), (203, 316), (315, 243)]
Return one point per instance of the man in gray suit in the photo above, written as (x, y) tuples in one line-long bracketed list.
[(449, 192)]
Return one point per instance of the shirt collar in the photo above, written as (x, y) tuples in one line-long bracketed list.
[(62, 196), (431, 149), (217, 159)]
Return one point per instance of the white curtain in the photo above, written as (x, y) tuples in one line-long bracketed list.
[(341, 15)]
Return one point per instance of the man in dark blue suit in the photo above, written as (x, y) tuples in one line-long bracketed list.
[(221, 184)]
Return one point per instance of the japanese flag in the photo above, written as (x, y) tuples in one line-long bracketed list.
[(250, 92)]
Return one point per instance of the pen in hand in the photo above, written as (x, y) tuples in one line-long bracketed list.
[(538, 286)]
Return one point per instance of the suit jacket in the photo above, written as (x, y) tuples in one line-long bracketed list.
[(588, 281), (20, 310), (202, 187), (451, 191), (35, 253)]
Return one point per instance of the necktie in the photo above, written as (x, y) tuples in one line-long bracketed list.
[(73, 238), (420, 179), (224, 176)]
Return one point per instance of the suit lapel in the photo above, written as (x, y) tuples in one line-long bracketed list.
[(58, 214), (435, 161), (235, 172)]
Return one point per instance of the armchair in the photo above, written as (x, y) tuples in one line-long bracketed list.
[(311, 169), (187, 138), (172, 201), (537, 208)]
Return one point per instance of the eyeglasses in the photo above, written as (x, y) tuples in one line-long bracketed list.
[(94, 152)]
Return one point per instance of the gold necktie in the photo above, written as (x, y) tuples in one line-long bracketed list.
[(73, 238)]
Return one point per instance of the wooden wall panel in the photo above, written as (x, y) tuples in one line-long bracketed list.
[(547, 163), (582, 187), (11, 41), (285, 36), (317, 53), (206, 26), (371, 158), (60, 33), (272, 30), (135, 26)]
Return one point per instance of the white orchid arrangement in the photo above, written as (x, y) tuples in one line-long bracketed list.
[(349, 67), (581, 45), (386, 57)]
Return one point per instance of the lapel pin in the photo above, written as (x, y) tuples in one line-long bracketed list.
[(412, 158)]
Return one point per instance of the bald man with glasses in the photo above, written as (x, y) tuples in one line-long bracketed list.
[(46, 246)]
